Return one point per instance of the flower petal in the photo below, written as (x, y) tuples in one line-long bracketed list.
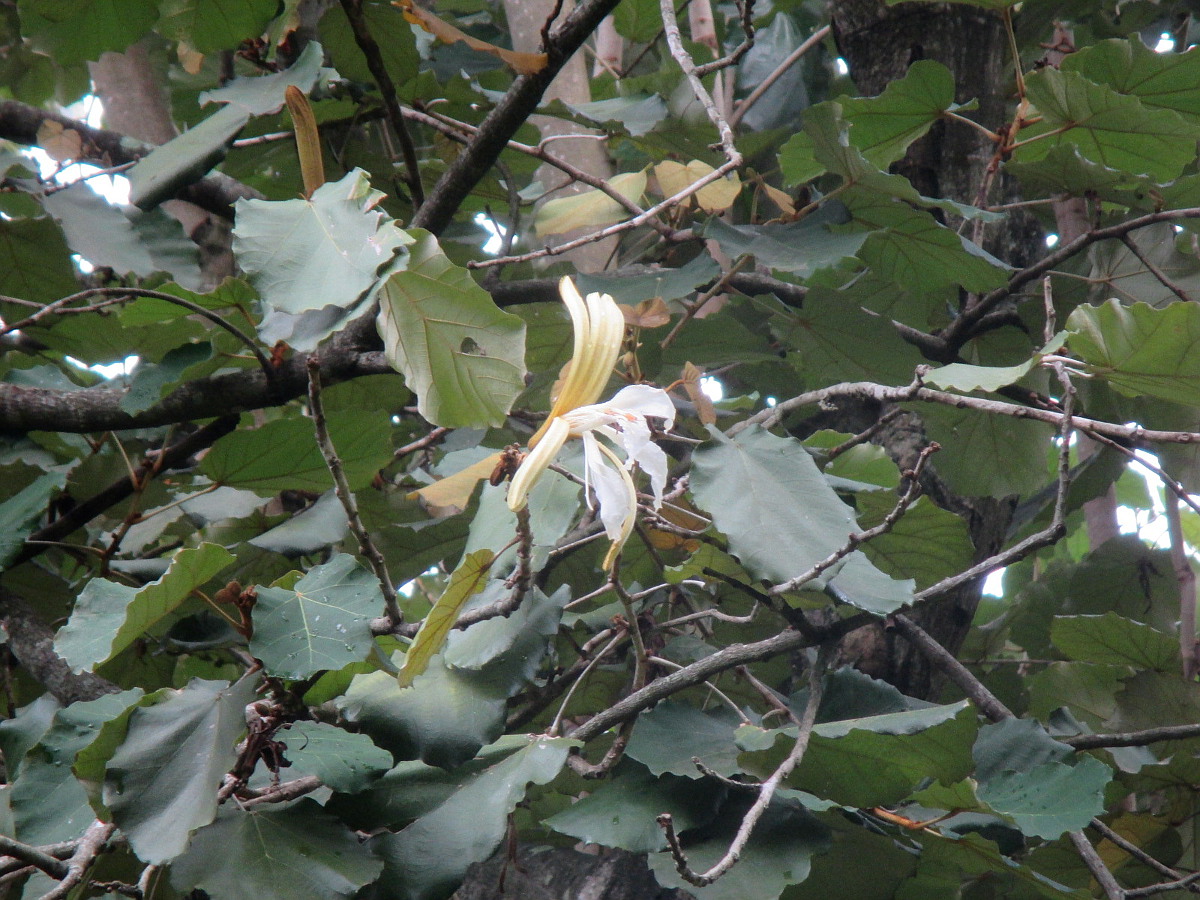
[(536, 462), (646, 401), (617, 497)]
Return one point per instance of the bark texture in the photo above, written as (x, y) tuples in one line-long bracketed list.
[(879, 43)]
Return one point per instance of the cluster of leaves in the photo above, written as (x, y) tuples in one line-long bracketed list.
[(222, 685)]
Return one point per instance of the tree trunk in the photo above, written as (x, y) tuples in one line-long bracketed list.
[(879, 43)]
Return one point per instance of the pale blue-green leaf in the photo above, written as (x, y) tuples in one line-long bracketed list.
[(308, 254), (322, 623), (109, 616), (20, 513), (760, 487), (429, 858), (298, 851), (161, 783)]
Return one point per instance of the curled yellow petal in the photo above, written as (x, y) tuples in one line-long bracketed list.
[(538, 460), (599, 328)]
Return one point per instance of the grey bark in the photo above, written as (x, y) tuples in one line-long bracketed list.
[(879, 43), (560, 873)]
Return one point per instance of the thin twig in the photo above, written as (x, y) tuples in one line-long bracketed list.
[(1188, 882), (987, 702), (281, 793), (341, 487), (699, 91), (790, 60), (387, 90), (716, 692), (1185, 579), (765, 792), (1137, 852), (434, 437), (620, 227), (1132, 738), (856, 540), (865, 435), (1155, 270), (57, 308), (916, 392)]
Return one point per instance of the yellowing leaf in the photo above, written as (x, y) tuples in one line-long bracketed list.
[(468, 579), (780, 198), (690, 379), (648, 314), (59, 143), (590, 208), (308, 139), (456, 489), (717, 196), (523, 63)]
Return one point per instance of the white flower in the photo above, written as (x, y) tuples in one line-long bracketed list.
[(621, 421)]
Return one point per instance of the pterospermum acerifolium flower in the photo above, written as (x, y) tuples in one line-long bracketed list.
[(619, 424)]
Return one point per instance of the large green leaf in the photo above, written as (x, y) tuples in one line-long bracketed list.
[(214, 26), (48, 802), (782, 517), (345, 761), (35, 263), (1050, 799), (622, 811), (968, 436), (394, 36), (324, 251), (297, 851), (667, 737), (253, 458), (1119, 272), (429, 858), (802, 247), (1116, 130), (838, 341), (459, 353), (1114, 639), (943, 866), (161, 784), (79, 32), (109, 616), (323, 622), (881, 127), (927, 544), (20, 513), (1140, 350), (443, 719), (873, 760), (1159, 80)]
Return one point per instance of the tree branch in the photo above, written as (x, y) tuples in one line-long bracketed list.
[(506, 117), (20, 122)]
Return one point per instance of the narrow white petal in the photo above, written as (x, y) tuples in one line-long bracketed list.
[(653, 461), (614, 490), (536, 462), (645, 400), (625, 499)]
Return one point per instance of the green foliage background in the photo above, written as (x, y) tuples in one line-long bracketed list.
[(197, 597)]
